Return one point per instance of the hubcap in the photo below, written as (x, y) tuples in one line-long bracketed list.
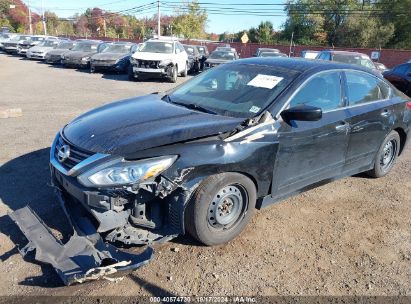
[(226, 207), (388, 154)]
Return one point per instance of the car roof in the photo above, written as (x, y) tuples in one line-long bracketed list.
[(300, 64)]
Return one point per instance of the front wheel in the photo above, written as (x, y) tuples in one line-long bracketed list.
[(386, 156), (173, 76), (220, 208)]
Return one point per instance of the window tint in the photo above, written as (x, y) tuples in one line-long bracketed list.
[(363, 88), (323, 91)]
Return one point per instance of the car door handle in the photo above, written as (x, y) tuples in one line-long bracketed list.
[(342, 127), (385, 113)]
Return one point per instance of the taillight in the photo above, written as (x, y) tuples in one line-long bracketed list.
[(408, 105)]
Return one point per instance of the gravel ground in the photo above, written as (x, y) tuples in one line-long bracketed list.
[(350, 237)]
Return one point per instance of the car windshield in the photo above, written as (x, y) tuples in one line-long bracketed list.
[(201, 50), (189, 50), (271, 54), (157, 47), (236, 90), (49, 43), (117, 48), (19, 38), (353, 59), (65, 45), (222, 55), (85, 47)]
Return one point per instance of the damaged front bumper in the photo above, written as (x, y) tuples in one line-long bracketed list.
[(84, 257)]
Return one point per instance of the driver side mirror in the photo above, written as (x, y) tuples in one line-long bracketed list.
[(302, 113)]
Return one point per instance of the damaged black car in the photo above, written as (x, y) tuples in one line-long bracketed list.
[(202, 157)]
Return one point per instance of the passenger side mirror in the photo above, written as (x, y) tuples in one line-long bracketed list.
[(302, 113)]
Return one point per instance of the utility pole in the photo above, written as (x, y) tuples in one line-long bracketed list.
[(44, 19), (30, 26), (158, 19), (291, 44), (105, 26)]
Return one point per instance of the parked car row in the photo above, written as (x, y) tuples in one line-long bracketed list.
[(166, 57), (163, 57)]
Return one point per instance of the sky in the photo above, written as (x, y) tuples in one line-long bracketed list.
[(219, 20)]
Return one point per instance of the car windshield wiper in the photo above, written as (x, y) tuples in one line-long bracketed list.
[(193, 106)]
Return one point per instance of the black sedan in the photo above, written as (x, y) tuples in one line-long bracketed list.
[(80, 55), (218, 57), (115, 57), (400, 77), (194, 58), (203, 157)]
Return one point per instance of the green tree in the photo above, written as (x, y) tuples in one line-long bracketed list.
[(191, 21), (265, 32), (398, 13)]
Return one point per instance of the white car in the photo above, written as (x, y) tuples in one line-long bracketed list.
[(40, 50), (25, 45), (5, 37), (160, 57)]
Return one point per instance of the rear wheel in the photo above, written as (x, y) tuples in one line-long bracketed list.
[(386, 155), (220, 208)]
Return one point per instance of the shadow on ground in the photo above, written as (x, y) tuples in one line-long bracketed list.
[(24, 181)]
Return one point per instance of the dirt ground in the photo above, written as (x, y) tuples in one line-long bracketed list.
[(350, 237)]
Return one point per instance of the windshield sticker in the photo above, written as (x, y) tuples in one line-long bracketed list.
[(254, 109), (265, 81)]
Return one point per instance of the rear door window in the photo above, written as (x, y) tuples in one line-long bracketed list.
[(363, 88)]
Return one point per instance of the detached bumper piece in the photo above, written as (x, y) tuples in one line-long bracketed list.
[(84, 257)]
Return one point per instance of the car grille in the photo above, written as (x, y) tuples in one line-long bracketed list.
[(148, 64), (76, 155), (54, 57), (104, 62)]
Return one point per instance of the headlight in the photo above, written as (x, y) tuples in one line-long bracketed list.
[(164, 63), (85, 59), (134, 61), (123, 172)]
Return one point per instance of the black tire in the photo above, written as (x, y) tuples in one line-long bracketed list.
[(386, 156), (173, 77), (200, 221), (184, 73)]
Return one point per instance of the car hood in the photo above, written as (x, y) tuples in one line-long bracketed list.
[(109, 56), (78, 54), (57, 52), (135, 124), (152, 56), (41, 48)]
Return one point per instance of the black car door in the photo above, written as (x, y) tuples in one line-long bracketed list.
[(312, 151), (371, 112)]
